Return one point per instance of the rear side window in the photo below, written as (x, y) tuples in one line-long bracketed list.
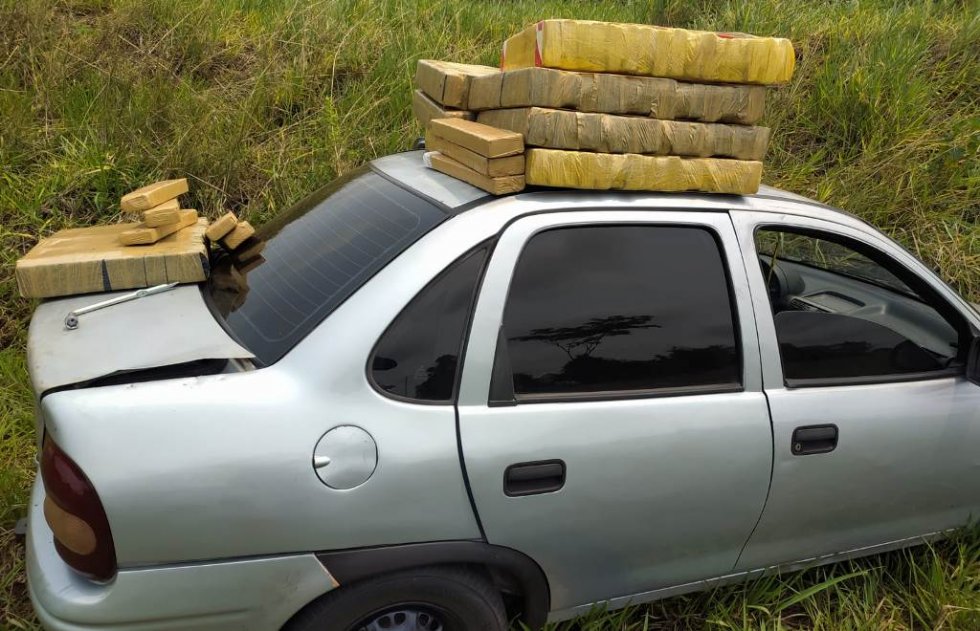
[(418, 356), (315, 256), (618, 309)]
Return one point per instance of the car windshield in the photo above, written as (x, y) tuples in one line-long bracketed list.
[(275, 288)]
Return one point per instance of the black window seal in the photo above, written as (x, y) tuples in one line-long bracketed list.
[(488, 245), (497, 396), (871, 380), (627, 395), (927, 295)]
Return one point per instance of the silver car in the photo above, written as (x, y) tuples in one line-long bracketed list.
[(424, 408)]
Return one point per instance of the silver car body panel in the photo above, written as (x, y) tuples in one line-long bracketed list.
[(200, 472), (740, 577), (228, 595), (447, 190), (162, 329), (659, 490)]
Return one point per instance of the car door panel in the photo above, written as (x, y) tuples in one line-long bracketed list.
[(897, 470), (907, 456), (657, 490), (656, 493)]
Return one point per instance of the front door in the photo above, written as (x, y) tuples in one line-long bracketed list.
[(876, 430), (611, 416)]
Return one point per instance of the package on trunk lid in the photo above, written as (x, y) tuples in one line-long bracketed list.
[(86, 260), (167, 246)]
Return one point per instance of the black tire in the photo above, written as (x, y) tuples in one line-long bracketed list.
[(460, 598)]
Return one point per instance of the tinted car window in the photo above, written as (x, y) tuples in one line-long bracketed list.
[(817, 345), (315, 256), (844, 312), (620, 308), (826, 255), (418, 356)]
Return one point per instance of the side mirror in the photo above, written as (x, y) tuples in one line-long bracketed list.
[(973, 361)]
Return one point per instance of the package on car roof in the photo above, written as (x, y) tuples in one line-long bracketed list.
[(487, 157), (491, 167), (617, 94), (494, 185), (425, 109), (606, 133), (447, 82), (611, 106), (641, 49), (85, 260), (485, 140), (633, 172)]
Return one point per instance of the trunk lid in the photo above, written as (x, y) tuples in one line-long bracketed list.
[(164, 329)]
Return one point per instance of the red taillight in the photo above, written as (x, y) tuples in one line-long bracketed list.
[(74, 512)]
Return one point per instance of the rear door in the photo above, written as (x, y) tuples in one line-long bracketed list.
[(611, 416)]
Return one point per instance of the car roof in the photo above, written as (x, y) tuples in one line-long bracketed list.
[(456, 196)]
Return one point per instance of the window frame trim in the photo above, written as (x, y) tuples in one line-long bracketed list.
[(927, 294), (498, 370)]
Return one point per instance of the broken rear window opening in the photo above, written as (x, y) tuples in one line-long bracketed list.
[(313, 257)]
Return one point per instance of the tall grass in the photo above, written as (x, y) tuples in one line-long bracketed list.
[(258, 101)]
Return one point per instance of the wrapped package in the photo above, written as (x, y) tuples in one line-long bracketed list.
[(655, 51), (221, 226), (425, 110), (484, 140), (491, 167), (609, 133), (628, 171), (143, 234), (447, 82), (85, 260), (617, 94), (162, 214), (242, 231), (152, 195), (495, 185)]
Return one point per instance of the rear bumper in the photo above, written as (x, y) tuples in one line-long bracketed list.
[(257, 594)]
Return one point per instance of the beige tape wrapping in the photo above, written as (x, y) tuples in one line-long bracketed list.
[(655, 51), (603, 171), (618, 94), (425, 110), (608, 133), (448, 82)]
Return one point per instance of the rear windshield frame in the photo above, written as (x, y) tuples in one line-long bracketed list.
[(435, 213)]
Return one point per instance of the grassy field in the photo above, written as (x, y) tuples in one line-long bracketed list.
[(258, 101)]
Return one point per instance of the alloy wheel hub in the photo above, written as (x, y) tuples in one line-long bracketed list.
[(403, 620)]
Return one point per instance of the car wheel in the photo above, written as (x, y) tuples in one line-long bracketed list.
[(423, 599)]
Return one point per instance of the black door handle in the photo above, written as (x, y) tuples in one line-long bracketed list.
[(814, 439), (530, 478)]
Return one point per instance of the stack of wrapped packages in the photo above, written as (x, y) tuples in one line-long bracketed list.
[(613, 106), (167, 245)]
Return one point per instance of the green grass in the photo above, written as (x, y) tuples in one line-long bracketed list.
[(258, 101)]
